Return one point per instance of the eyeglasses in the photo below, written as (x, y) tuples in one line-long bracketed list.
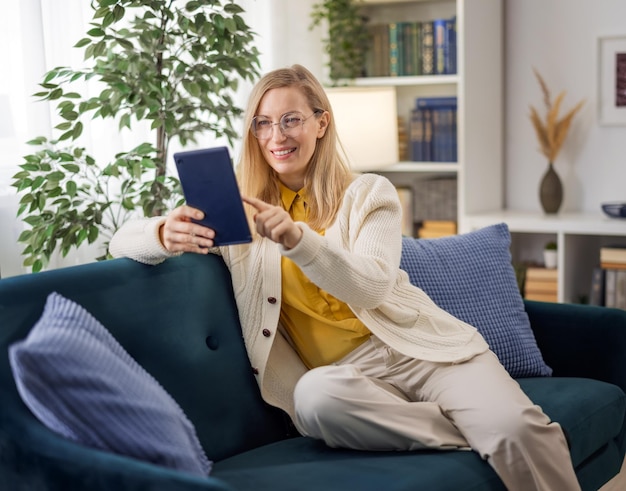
[(290, 125)]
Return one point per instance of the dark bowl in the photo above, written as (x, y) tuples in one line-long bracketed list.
[(614, 210)]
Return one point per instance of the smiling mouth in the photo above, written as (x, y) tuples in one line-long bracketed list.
[(282, 153)]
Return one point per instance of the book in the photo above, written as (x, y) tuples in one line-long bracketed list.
[(408, 57), (450, 59), (377, 63), (405, 194), (416, 135), (423, 233), (610, 283), (613, 255), (428, 48), (620, 289), (440, 114), (439, 46), (427, 128), (540, 286), (542, 297), (596, 294), (403, 143), (440, 225), (537, 273), (606, 265), (416, 50), (394, 50)]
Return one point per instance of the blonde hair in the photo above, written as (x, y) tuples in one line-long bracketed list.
[(327, 175)]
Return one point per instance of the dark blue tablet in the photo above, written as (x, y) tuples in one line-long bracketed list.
[(209, 184)]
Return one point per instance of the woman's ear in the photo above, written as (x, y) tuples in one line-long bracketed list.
[(323, 121)]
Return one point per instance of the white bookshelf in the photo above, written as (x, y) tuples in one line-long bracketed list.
[(478, 86), (579, 237)]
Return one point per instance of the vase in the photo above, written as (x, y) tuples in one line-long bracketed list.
[(551, 191)]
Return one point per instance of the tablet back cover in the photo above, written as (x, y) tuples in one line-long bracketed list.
[(209, 184)]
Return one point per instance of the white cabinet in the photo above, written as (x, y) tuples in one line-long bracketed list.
[(579, 237), (478, 86)]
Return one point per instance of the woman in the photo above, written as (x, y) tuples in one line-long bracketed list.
[(335, 332)]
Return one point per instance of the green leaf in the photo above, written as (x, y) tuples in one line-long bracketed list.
[(82, 42), (95, 32), (39, 180), (73, 168), (64, 126), (78, 129), (93, 234)]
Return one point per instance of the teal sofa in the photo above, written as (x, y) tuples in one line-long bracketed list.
[(179, 321)]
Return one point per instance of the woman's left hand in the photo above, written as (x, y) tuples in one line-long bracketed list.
[(275, 223)]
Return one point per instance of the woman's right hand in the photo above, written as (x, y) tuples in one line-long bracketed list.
[(180, 234)]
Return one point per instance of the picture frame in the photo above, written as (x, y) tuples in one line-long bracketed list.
[(612, 80)]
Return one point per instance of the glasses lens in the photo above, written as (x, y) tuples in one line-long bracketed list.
[(261, 127), (291, 121)]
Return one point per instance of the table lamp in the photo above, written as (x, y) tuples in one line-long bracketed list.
[(367, 124)]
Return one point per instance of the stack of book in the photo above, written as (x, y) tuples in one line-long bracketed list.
[(432, 229), (403, 139), (412, 48), (433, 129), (405, 194), (608, 284), (541, 284)]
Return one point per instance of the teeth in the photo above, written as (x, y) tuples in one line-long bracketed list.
[(280, 153)]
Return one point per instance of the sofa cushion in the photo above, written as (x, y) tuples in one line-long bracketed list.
[(314, 466), (471, 276), (590, 411), (78, 380)]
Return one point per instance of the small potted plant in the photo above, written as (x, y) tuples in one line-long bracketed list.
[(550, 255)]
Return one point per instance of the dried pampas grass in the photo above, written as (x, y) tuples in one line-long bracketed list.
[(551, 133)]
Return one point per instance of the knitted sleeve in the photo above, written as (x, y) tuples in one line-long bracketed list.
[(138, 239)]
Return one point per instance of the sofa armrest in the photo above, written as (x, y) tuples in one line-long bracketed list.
[(33, 457), (581, 340)]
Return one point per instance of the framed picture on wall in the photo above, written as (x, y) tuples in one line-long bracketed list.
[(612, 80)]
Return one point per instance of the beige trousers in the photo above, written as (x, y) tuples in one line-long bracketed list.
[(379, 399)]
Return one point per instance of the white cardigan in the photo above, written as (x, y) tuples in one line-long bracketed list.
[(357, 261)]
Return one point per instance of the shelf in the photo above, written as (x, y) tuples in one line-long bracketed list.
[(579, 237), (590, 223), (401, 81), (421, 167)]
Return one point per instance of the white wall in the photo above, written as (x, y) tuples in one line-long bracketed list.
[(559, 38)]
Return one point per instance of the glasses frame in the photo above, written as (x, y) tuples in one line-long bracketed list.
[(281, 125)]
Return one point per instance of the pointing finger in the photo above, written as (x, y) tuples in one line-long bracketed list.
[(257, 203)]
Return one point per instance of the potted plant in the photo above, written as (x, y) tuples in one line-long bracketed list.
[(550, 255), (175, 64), (551, 132), (347, 41)]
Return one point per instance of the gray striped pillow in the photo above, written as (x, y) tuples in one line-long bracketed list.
[(81, 383)]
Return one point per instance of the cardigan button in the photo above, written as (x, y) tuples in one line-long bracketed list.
[(272, 300), (255, 371), (267, 333)]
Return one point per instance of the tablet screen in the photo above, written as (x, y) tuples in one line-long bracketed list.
[(209, 184)]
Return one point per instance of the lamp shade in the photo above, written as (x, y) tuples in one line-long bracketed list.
[(367, 124)]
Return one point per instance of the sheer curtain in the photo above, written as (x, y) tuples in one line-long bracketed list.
[(37, 35)]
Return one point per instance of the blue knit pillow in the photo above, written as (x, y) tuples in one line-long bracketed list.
[(471, 276), (79, 381)]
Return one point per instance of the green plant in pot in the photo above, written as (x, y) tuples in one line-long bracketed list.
[(347, 41), (550, 257), (175, 64)]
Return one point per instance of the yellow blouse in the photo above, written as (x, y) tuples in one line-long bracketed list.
[(323, 329)]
